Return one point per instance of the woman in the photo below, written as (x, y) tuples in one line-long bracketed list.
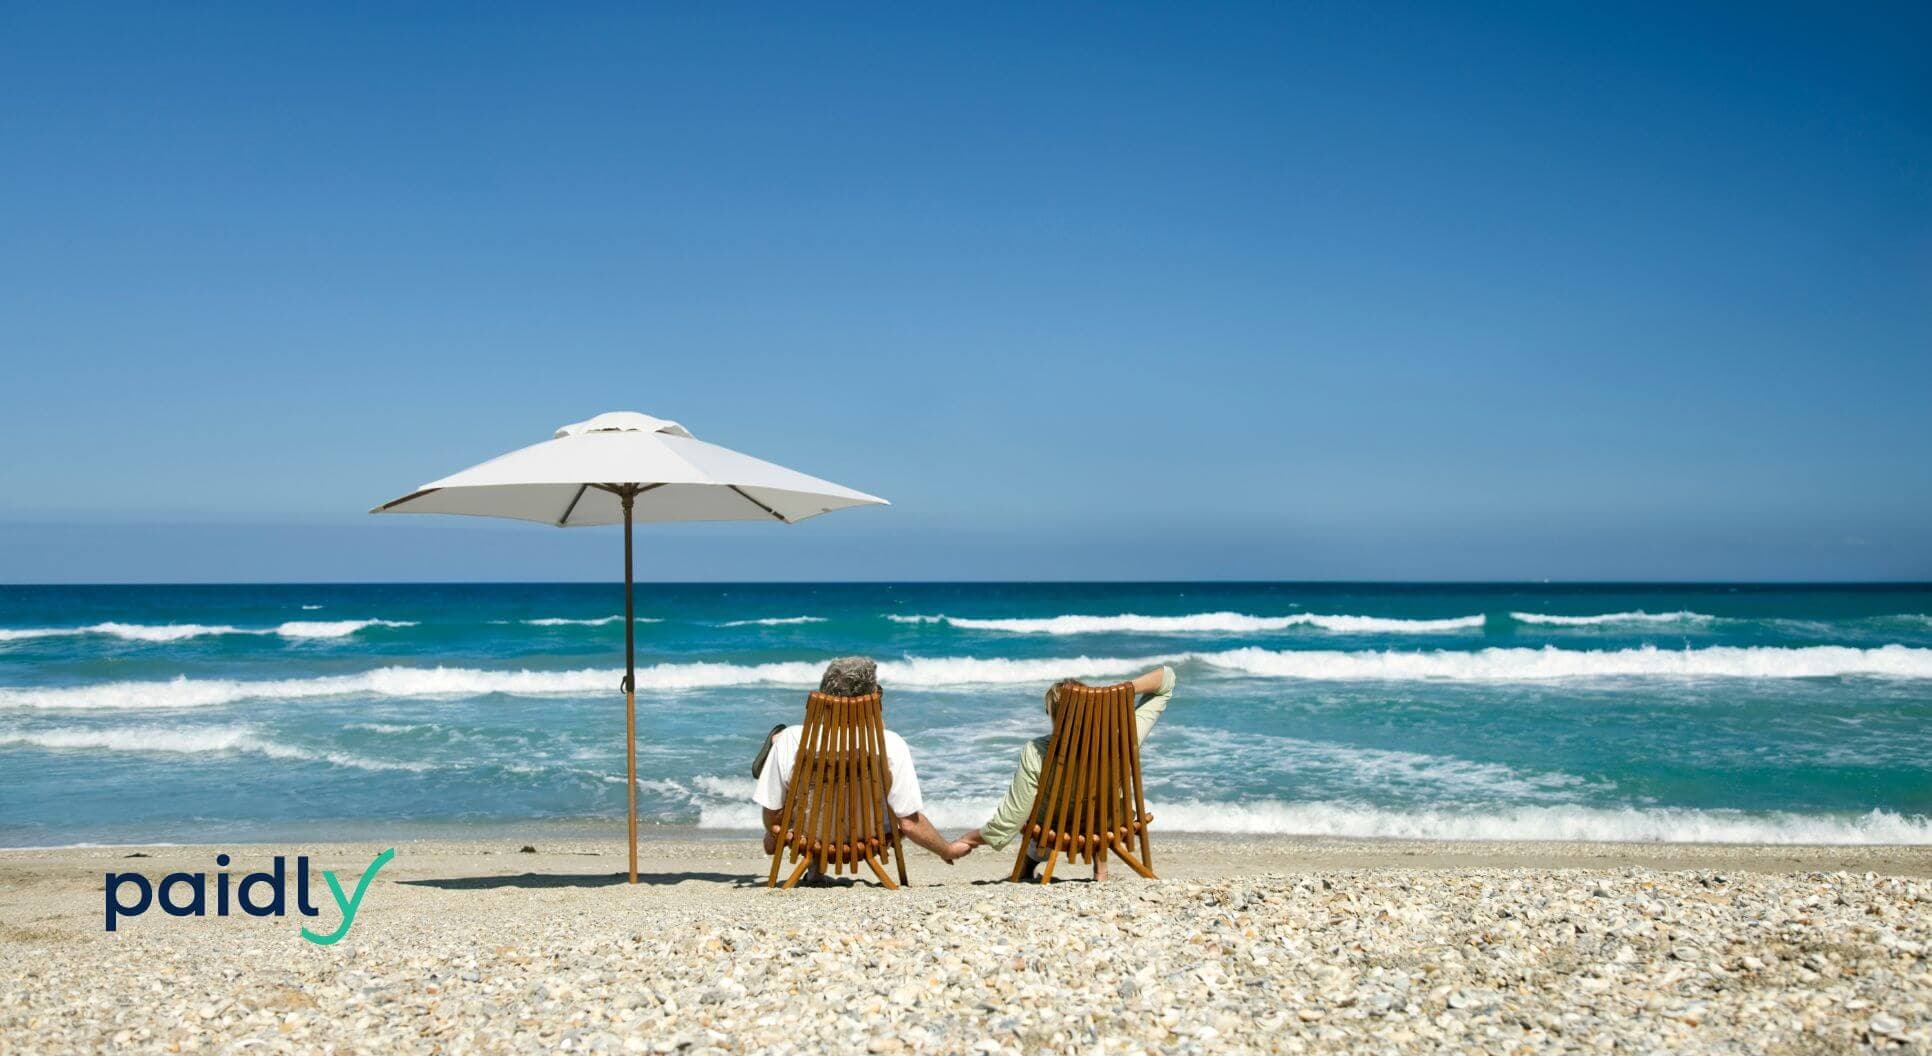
[(1152, 692)]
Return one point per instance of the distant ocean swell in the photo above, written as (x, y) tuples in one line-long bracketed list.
[(1483, 665), (1223, 623)]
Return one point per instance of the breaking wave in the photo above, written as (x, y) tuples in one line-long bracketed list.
[(459, 681), (334, 628), (601, 621), (1486, 665), (174, 632), (1549, 662), (1200, 623), (1611, 618), (193, 741), (774, 621)]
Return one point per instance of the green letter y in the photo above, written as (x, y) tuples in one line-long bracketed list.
[(349, 905)]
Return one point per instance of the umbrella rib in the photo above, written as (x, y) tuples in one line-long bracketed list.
[(412, 496), (574, 500), (755, 502)]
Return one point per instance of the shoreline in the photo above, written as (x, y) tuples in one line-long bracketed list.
[(1224, 852)]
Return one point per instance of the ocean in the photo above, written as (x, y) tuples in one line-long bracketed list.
[(391, 711)]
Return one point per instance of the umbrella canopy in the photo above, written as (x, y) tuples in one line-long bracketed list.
[(576, 477), (619, 468)]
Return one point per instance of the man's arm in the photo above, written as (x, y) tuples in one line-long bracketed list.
[(771, 822), (920, 831), (1153, 690)]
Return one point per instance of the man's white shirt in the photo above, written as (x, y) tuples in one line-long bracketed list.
[(902, 796)]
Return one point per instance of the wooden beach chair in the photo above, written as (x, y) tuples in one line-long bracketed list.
[(835, 815), (1089, 801)]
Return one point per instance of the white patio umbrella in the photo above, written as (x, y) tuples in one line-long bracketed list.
[(622, 467)]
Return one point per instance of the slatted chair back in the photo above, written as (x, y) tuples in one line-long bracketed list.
[(1089, 800), (836, 815)]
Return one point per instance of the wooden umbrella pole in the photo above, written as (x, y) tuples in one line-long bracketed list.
[(630, 684)]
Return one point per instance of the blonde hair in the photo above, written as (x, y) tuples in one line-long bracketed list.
[(1053, 693)]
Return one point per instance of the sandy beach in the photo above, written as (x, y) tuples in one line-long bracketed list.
[(1245, 944)]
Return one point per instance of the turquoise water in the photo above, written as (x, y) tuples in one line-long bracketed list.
[(1625, 713)]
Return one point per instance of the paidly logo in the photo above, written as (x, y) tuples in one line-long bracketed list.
[(249, 894)]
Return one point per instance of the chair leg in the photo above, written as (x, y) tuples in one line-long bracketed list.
[(880, 870), (1133, 862), (1046, 875), (797, 871)]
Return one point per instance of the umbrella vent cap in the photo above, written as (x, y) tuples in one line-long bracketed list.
[(622, 422)]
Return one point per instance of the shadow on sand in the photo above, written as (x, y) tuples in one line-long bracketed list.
[(540, 880)]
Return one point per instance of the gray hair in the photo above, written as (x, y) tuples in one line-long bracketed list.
[(850, 676)]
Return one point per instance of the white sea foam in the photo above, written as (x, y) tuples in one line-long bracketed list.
[(21, 634), (310, 608), (601, 621), (1189, 752), (334, 628), (774, 621), (392, 727), (165, 632), (1567, 822), (1558, 823), (1549, 662), (185, 692), (192, 740), (1486, 665), (174, 632), (1199, 623), (1611, 618), (382, 682)]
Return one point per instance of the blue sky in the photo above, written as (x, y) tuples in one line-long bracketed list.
[(1098, 291)]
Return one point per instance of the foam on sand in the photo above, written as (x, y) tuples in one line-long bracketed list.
[(1564, 823), (1200, 623), (1530, 822)]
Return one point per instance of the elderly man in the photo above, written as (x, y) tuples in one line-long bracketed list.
[(1152, 691), (848, 676)]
